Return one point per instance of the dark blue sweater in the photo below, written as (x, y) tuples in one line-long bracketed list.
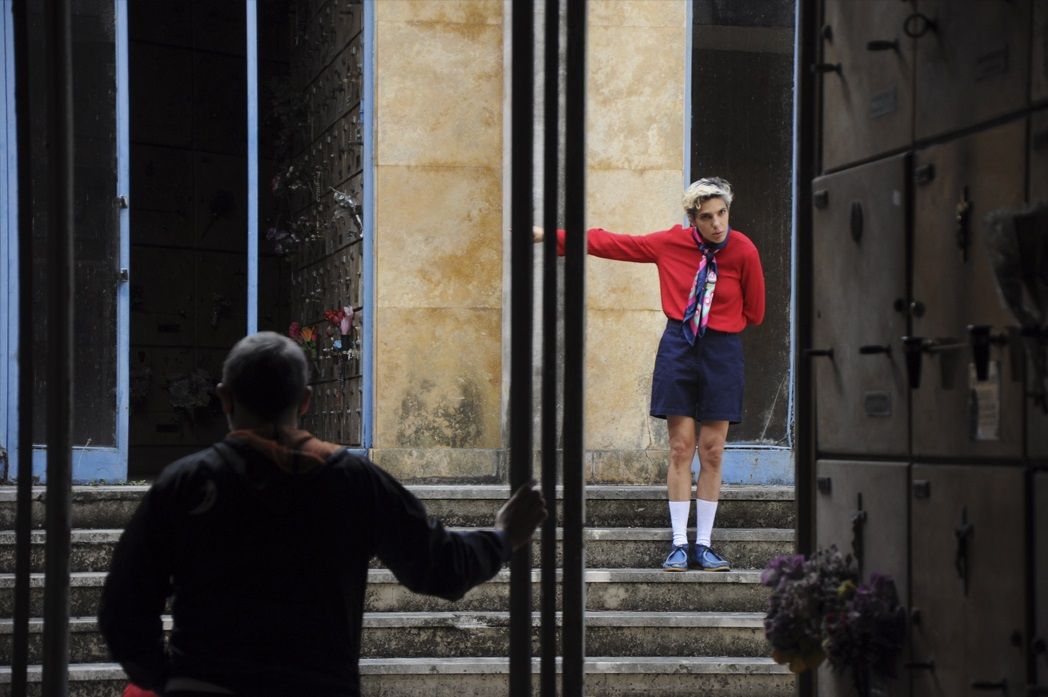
[(266, 570)]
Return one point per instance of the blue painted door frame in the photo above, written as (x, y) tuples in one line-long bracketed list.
[(90, 464)]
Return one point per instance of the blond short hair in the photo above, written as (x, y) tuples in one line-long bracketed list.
[(703, 190)]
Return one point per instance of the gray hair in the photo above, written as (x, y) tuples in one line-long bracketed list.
[(703, 190), (267, 373)]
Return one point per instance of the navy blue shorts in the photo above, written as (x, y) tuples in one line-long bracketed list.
[(704, 381)]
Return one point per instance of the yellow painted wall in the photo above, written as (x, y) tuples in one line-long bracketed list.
[(438, 237), (439, 115), (635, 173)]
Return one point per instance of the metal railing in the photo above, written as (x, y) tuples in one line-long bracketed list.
[(572, 195)]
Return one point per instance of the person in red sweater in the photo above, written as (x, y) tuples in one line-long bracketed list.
[(712, 288)]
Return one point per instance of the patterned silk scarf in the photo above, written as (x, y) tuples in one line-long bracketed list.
[(697, 313)]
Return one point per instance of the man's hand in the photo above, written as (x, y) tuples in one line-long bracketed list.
[(519, 516), (537, 234)]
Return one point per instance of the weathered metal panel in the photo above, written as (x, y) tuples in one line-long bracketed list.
[(972, 62), (968, 562), (861, 507), (867, 80), (1039, 53), (955, 411), (1036, 350), (859, 250)]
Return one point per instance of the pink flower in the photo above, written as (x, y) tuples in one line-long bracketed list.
[(347, 320), (295, 331)]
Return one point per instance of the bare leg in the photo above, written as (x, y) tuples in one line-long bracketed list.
[(712, 437), (682, 451), (678, 484)]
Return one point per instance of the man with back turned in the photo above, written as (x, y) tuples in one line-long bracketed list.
[(262, 542)]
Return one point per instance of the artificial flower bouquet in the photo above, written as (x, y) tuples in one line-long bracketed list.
[(818, 610)]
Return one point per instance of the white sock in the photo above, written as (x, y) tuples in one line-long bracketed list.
[(705, 512), (679, 520)]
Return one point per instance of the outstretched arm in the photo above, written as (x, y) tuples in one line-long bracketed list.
[(427, 558), (611, 245)]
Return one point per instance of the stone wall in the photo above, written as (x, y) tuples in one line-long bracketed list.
[(439, 69), (440, 388), (635, 176)]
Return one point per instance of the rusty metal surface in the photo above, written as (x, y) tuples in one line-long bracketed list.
[(972, 65), (958, 183), (859, 253), (868, 99)]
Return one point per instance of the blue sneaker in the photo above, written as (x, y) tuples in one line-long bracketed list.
[(677, 560), (706, 559)]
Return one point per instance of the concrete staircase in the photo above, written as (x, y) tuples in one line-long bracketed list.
[(648, 632)]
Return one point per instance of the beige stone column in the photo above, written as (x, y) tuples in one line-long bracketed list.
[(438, 237), (635, 178), (439, 243)]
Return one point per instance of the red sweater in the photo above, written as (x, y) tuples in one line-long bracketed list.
[(739, 296)]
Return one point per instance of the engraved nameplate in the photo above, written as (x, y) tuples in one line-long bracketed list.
[(884, 103), (992, 63), (877, 403)]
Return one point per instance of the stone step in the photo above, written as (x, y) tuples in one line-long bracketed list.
[(92, 550), (645, 589), (466, 505), (462, 634), (488, 677)]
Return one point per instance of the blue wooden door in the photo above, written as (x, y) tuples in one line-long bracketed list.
[(101, 225)]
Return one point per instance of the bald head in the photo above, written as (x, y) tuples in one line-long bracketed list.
[(266, 374)]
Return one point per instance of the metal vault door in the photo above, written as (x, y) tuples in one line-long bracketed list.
[(859, 291), (973, 56), (1039, 53), (968, 400), (867, 80), (968, 549), (861, 508), (1037, 349)]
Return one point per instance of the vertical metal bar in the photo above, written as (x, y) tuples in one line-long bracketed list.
[(521, 330), (59, 355), (550, 198), (574, 502), (251, 11), (689, 59), (367, 114), (123, 188), (804, 168), (23, 511)]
